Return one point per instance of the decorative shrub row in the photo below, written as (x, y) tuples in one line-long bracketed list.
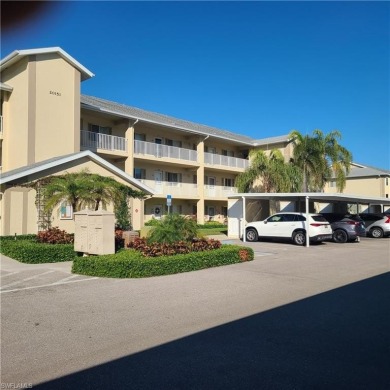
[(156, 249), (28, 251), (30, 237), (55, 235), (211, 225), (131, 264)]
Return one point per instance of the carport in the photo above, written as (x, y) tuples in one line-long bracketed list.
[(238, 205)]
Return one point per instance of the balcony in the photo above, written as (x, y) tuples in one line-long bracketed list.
[(1, 126), (177, 190), (225, 161), (213, 191), (153, 150), (103, 143)]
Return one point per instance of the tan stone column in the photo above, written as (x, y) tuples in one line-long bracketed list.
[(129, 162), (200, 183)]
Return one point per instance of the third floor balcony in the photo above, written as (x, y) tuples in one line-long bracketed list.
[(103, 143)]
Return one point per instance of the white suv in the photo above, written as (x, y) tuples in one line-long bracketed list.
[(290, 226)]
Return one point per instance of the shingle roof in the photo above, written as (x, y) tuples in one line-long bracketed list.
[(99, 104), (367, 171)]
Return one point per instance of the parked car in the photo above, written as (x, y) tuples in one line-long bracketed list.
[(377, 225), (346, 227), (291, 226)]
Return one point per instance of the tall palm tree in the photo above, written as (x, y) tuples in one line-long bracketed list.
[(275, 174), (319, 157)]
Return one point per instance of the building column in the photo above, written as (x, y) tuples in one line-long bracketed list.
[(200, 213), (129, 162)]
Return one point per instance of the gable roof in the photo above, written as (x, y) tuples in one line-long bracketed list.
[(41, 166), (19, 54), (102, 105)]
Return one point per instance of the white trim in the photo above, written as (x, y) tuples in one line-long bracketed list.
[(17, 54), (85, 153)]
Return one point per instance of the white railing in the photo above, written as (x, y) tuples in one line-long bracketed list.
[(164, 151), (172, 188), (218, 191), (1, 124), (90, 140), (218, 159)]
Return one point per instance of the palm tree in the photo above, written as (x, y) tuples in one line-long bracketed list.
[(319, 157), (275, 174), (71, 188)]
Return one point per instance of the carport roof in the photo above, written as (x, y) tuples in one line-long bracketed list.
[(314, 196)]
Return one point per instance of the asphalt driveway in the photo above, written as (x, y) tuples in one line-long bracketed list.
[(294, 318)]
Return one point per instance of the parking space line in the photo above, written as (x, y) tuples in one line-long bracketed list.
[(26, 279), (47, 285), (11, 273), (66, 279)]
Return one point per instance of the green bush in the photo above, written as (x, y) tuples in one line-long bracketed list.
[(28, 251), (131, 264), (172, 228), (29, 237), (211, 225)]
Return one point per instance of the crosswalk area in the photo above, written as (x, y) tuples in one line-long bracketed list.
[(12, 281)]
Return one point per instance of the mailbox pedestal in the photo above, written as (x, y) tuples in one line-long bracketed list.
[(94, 232)]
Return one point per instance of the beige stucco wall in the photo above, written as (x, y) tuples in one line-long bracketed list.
[(370, 186), (18, 210), (42, 112)]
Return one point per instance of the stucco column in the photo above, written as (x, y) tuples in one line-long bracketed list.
[(200, 183), (129, 162)]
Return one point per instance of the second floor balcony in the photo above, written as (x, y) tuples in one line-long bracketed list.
[(153, 150), (220, 161)]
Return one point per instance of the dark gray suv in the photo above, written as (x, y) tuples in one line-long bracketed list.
[(346, 227)]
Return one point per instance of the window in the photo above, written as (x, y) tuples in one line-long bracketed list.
[(227, 182), (171, 142), (139, 137), (139, 173), (99, 129), (225, 211), (66, 211), (173, 177), (228, 153), (332, 184)]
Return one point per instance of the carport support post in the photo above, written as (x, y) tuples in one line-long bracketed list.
[(243, 219), (307, 222)]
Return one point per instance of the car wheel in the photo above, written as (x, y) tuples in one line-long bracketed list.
[(340, 236), (299, 238), (251, 235), (376, 232)]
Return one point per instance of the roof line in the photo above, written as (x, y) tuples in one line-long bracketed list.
[(87, 153)]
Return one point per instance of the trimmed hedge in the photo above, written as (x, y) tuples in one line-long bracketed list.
[(29, 251), (131, 264)]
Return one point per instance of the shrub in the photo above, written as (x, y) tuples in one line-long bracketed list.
[(172, 228), (211, 225), (55, 236), (29, 237), (131, 263), (28, 251), (156, 249)]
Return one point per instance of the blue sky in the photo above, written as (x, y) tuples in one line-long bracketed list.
[(254, 68)]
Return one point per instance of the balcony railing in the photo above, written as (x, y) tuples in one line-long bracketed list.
[(90, 140), (172, 188), (219, 191), (232, 162), (1, 124), (164, 151)]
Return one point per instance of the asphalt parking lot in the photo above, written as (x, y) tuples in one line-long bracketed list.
[(294, 317)]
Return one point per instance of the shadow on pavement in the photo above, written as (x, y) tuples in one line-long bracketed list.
[(335, 340)]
